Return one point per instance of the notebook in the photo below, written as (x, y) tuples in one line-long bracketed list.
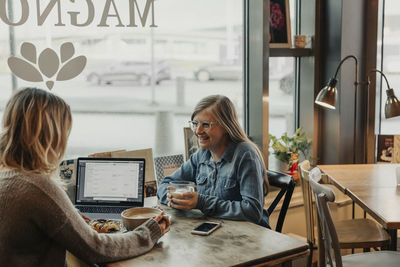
[(107, 186)]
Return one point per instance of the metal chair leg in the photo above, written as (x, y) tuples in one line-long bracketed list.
[(310, 257)]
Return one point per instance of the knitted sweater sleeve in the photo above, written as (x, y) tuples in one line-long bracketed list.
[(58, 217)]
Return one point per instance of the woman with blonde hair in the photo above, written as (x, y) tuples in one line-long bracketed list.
[(38, 222), (228, 169)]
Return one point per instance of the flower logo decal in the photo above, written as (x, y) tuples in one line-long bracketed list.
[(38, 69)]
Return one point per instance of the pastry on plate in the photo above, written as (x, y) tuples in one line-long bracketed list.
[(105, 226)]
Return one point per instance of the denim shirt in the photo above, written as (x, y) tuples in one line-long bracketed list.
[(232, 188)]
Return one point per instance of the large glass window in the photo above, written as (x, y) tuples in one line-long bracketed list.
[(282, 100), (389, 61), (140, 84), (282, 93)]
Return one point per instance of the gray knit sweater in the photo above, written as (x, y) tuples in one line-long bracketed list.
[(38, 223)]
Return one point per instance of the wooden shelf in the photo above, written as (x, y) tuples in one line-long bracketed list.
[(290, 52)]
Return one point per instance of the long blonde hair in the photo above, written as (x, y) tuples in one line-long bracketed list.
[(225, 114), (36, 125)]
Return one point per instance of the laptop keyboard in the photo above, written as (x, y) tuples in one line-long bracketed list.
[(102, 209)]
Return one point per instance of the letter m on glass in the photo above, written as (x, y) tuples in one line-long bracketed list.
[(143, 18)]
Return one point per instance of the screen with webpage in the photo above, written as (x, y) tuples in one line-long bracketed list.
[(109, 181)]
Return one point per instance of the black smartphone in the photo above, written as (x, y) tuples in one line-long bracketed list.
[(206, 228)]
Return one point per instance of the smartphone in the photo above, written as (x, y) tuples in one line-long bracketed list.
[(206, 228)]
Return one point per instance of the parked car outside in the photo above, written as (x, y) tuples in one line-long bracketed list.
[(287, 84), (219, 72), (130, 71)]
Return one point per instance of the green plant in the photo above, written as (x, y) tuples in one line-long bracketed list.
[(288, 149)]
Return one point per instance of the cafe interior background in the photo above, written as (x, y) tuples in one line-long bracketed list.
[(140, 83)]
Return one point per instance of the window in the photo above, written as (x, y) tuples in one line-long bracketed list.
[(282, 94), (389, 60), (140, 84)]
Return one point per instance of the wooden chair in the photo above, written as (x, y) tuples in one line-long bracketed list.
[(286, 183), (331, 237), (353, 233)]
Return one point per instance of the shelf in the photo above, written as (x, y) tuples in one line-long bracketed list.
[(290, 52)]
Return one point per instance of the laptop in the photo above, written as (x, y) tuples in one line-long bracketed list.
[(107, 186)]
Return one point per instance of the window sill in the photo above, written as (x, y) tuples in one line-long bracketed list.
[(291, 52)]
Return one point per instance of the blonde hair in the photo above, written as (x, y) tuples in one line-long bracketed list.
[(36, 125), (225, 114)]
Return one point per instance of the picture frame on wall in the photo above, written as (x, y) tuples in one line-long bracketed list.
[(191, 144), (384, 152), (279, 24), (388, 150)]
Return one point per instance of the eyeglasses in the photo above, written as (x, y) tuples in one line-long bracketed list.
[(206, 125)]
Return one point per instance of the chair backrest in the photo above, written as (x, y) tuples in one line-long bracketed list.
[(323, 195), (308, 201), (286, 183), (166, 165)]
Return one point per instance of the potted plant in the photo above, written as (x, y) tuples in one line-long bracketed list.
[(288, 149)]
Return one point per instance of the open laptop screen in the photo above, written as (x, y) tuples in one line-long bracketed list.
[(111, 181)]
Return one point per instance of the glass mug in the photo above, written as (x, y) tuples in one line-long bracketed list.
[(178, 188)]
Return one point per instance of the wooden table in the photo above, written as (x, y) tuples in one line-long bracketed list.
[(235, 243), (373, 187)]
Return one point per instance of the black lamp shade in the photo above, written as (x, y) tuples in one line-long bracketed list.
[(328, 95), (392, 105)]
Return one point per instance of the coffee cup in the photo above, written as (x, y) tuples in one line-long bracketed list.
[(302, 41), (133, 217), (178, 188)]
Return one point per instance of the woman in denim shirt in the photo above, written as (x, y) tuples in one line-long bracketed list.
[(228, 168)]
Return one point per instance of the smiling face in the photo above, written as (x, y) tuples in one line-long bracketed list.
[(215, 138)]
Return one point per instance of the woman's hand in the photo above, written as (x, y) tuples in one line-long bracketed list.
[(163, 222), (186, 201)]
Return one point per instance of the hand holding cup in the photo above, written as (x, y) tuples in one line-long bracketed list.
[(163, 222), (182, 195)]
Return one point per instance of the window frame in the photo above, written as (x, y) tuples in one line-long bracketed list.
[(256, 72)]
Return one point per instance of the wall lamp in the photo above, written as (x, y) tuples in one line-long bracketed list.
[(327, 97)]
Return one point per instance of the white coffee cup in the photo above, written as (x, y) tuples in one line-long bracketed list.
[(398, 176)]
